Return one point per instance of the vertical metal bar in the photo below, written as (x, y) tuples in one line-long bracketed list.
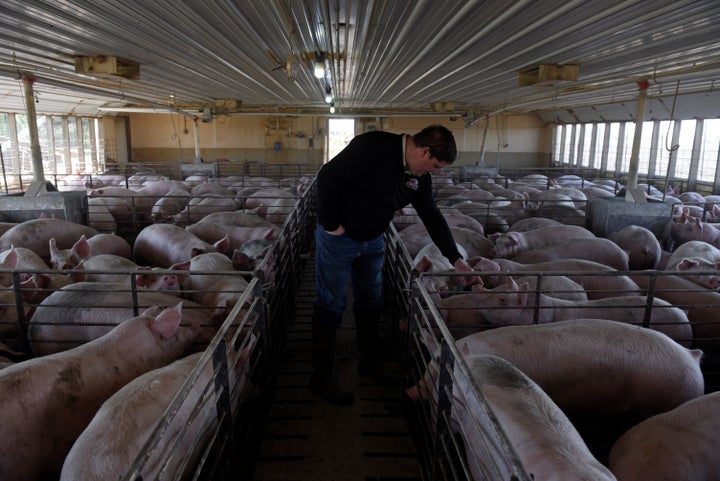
[(444, 405), (223, 404)]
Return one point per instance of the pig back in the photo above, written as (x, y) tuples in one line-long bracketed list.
[(84, 311), (35, 234)]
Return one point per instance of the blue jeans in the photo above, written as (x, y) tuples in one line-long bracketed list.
[(338, 259)]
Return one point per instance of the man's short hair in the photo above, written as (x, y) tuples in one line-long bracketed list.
[(440, 140)]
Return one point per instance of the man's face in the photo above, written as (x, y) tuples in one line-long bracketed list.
[(425, 162)]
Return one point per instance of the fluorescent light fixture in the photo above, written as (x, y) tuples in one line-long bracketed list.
[(319, 66)]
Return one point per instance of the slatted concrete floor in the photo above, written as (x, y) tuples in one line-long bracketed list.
[(310, 439)]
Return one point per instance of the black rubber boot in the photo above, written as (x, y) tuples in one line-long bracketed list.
[(323, 382), (371, 348)]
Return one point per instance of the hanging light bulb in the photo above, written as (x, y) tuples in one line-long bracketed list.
[(319, 66), (332, 107), (328, 95)]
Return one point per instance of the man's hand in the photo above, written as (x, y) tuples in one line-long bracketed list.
[(462, 266), (339, 231)]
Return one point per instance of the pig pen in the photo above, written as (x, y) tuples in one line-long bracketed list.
[(210, 428), (440, 435), (275, 327)]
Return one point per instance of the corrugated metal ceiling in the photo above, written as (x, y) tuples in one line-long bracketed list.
[(384, 57)]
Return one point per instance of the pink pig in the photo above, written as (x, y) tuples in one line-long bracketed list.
[(47, 401)]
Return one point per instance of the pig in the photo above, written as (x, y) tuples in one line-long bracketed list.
[(19, 259), (547, 444), (211, 188), (163, 245), (100, 218), (11, 309), (678, 445), (264, 197), (462, 315), (694, 229), (119, 202), (84, 311), (213, 231), (250, 253), (697, 255), (532, 223), (157, 188), (430, 260), (510, 244), (237, 219), (279, 210), (702, 305), (212, 290), (511, 307), (82, 249), (199, 207), (640, 243), (596, 249), (35, 234), (172, 203), (596, 365), (145, 276), (584, 272), (126, 421), (416, 237), (47, 402)]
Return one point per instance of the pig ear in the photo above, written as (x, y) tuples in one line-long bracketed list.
[(165, 325), (424, 264), (54, 251), (180, 266), (270, 234), (81, 248), (522, 294), (11, 259), (141, 280), (513, 237), (511, 284), (698, 224), (223, 245), (688, 264)]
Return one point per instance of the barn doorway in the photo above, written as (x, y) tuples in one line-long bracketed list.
[(340, 133)]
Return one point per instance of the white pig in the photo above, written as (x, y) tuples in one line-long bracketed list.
[(697, 255), (547, 444), (125, 422), (510, 244), (679, 445), (84, 311), (598, 366), (596, 249), (220, 291), (46, 402), (512, 307), (163, 245), (84, 248)]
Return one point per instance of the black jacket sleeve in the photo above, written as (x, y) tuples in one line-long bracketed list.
[(434, 221)]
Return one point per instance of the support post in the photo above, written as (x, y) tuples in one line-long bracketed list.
[(37, 187)]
